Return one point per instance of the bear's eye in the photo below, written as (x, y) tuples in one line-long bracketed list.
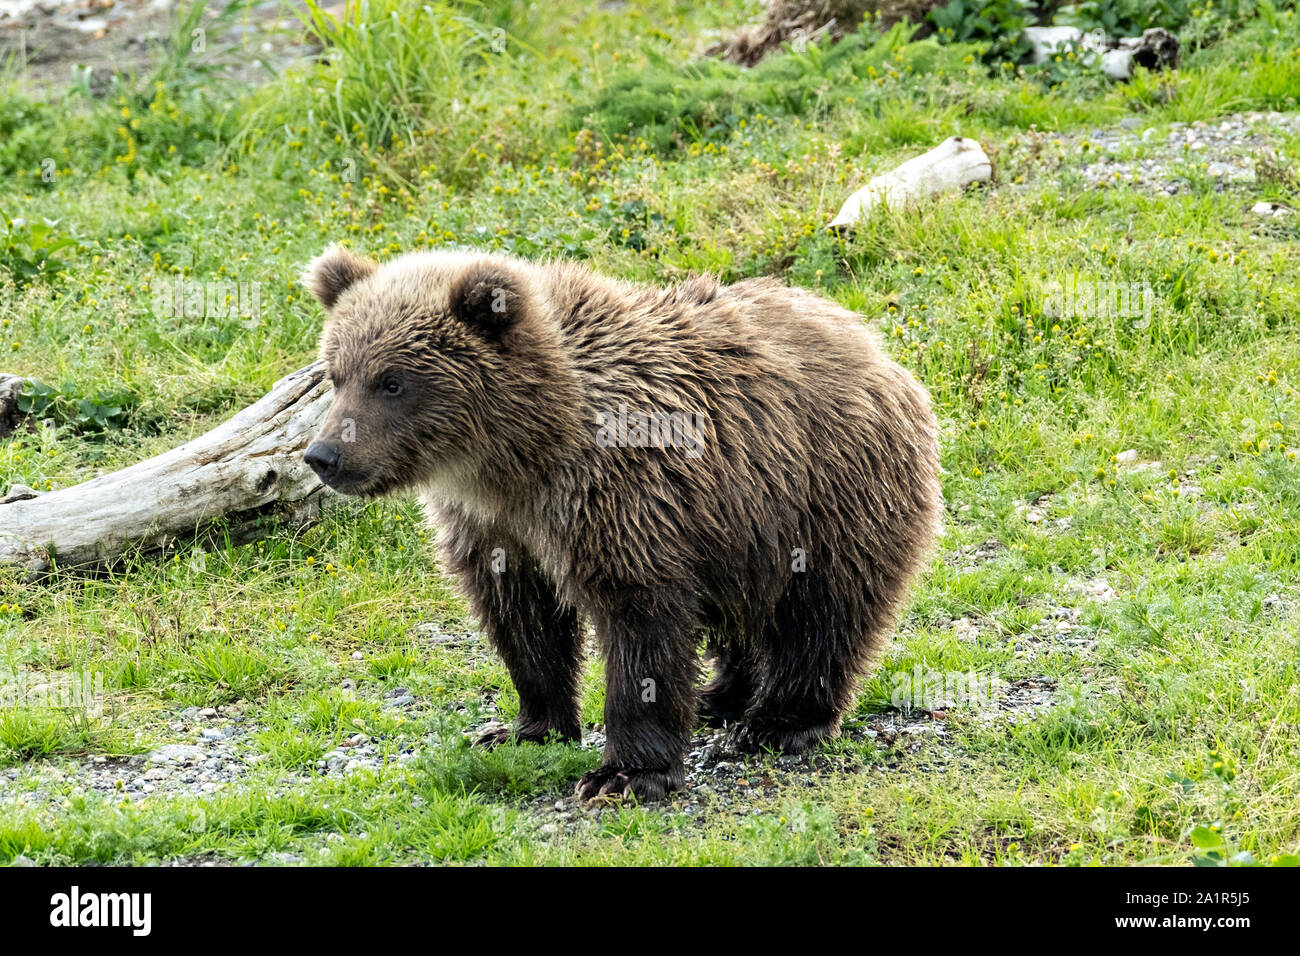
[(392, 386)]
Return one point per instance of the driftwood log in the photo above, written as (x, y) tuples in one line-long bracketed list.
[(230, 483), (1155, 49), (951, 166)]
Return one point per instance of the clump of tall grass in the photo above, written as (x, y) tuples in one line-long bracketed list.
[(405, 89)]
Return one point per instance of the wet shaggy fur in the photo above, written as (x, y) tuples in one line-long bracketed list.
[(786, 542)]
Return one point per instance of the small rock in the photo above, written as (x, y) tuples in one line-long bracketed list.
[(88, 25), (1127, 457), (176, 753), (1275, 209)]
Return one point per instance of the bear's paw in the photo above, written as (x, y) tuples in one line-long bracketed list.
[(496, 734), (756, 736), (617, 783)]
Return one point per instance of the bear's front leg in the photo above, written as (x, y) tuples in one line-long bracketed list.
[(541, 644), (650, 698), (539, 638)]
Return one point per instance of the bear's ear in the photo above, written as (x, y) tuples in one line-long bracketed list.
[(333, 272), (489, 298)]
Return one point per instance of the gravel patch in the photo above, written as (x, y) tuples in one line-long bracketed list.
[(51, 39), (1139, 156)]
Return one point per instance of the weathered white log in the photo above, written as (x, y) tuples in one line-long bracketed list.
[(952, 165), (227, 482), (1047, 42), (1155, 49), (1117, 63)]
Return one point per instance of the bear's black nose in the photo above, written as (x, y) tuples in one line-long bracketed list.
[(324, 459)]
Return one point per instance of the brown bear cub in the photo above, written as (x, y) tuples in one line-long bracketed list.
[(735, 465)]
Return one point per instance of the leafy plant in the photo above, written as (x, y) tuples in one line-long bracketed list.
[(36, 399), (997, 25), (457, 767), (29, 248), (1212, 843), (96, 412)]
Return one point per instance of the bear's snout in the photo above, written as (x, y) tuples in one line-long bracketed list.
[(324, 459)]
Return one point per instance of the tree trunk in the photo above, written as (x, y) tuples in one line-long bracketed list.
[(231, 482)]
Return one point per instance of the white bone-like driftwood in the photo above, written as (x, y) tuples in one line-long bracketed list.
[(952, 165), (1047, 42), (245, 471), (1155, 49)]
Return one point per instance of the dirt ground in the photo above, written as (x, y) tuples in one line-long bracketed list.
[(46, 42)]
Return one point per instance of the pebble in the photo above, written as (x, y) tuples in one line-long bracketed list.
[(1272, 209), (176, 753)]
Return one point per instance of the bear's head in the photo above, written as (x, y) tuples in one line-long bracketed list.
[(431, 355)]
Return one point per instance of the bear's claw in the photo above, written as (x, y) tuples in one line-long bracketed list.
[(497, 734), (621, 783)]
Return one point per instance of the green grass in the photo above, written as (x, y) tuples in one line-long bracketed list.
[(1157, 602)]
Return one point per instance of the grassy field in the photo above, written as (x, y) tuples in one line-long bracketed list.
[(1121, 563)]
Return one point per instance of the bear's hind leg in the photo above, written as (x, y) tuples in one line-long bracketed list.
[(817, 646), (725, 698)]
